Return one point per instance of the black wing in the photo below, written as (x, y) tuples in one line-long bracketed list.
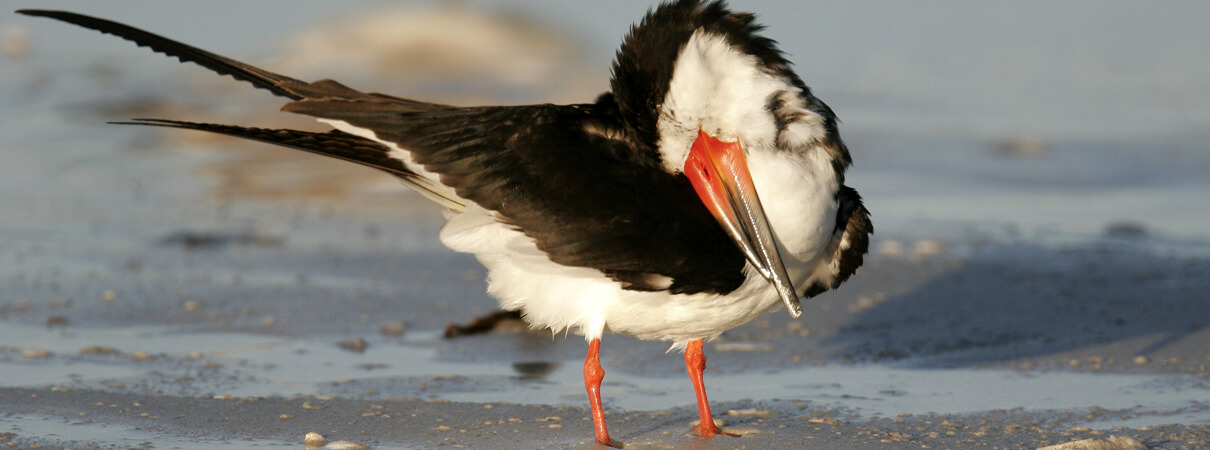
[(335, 144), (850, 239), (854, 219), (588, 200), (276, 83)]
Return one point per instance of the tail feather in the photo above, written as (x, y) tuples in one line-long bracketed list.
[(335, 144), (276, 83)]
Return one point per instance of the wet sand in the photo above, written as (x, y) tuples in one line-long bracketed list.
[(233, 337)]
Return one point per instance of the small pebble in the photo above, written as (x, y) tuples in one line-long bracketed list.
[(357, 345), (392, 329), (824, 421), (1109, 443), (314, 440), (345, 445), (749, 412), (717, 422), (98, 350)]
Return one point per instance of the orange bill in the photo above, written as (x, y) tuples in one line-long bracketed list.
[(719, 174)]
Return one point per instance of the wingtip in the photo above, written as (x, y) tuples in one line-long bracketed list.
[(144, 121), (65, 16), (33, 12)]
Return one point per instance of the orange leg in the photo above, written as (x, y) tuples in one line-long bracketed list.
[(593, 374), (695, 363)]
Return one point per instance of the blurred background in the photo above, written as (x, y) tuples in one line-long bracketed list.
[(1072, 118)]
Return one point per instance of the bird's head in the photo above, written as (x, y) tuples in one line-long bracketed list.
[(700, 86)]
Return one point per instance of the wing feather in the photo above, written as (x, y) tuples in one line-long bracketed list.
[(586, 199), (334, 144)]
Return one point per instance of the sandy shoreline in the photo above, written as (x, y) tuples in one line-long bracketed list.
[(1052, 352)]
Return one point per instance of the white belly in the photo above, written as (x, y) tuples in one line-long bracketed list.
[(584, 301)]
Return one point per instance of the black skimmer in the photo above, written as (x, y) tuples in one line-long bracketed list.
[(704, 189)]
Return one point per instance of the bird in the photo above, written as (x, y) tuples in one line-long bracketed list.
[(702, 189)]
